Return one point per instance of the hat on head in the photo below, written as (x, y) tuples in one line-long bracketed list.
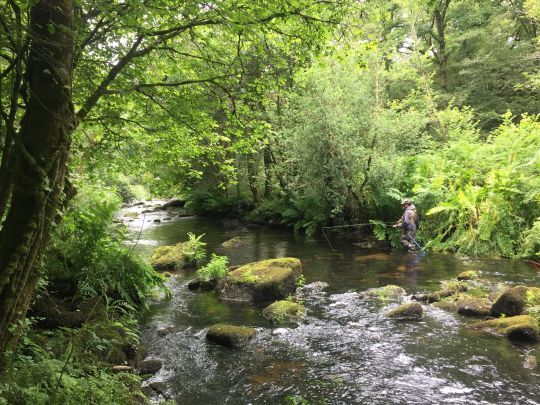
[(406, 201)]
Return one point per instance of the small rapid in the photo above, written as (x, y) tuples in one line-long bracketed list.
[(345, 351)]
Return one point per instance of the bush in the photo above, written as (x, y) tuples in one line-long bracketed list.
[(65, 367), (481, 198), (194, 249), (89, 253), (217, 268), (217, 204)]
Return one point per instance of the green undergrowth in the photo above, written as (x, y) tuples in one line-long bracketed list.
[(90, 268), (89, 258), (215, 204), (215, 269), (72, 366)]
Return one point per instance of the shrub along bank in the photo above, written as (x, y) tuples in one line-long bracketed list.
[(84, 317)]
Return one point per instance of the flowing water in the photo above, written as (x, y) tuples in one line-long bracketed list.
[(345, 351)]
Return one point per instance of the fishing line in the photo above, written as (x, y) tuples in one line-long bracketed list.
[(347, 226)]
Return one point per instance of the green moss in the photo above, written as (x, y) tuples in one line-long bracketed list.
[(412, 311), (446, 305), (516, 299), (266, 271), (478, 291), (454, 286), (168, 257), (500, 326), (230, 335), (176, 256), (532, 297), (521, 328), (467, 275), (284, 311), (267, 280), (257, 268), (473, 306), (389, 292)]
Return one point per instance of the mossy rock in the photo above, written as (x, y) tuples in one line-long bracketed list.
[(514, 300), (409, 312), (267, 280), (386, 293), (472, 306), (520, 328), (229, 335), (284, 311), (232, 243), (467, 275), (446, 305), (448, 290), (170, 257)]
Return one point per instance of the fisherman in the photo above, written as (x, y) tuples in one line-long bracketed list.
[(409, 223)]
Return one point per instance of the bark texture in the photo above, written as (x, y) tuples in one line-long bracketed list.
[(38, 161)]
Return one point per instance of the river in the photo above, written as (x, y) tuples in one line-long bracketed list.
[(345, 351)]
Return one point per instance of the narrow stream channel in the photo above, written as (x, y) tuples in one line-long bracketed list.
[(345, 351)]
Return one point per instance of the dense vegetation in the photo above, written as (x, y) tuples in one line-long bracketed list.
[(299, 113)]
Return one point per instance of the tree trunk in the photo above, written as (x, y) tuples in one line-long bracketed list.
[(267, 172), (442, 55), (39, 161), (253, 177)]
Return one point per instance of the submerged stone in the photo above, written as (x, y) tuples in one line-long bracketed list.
[(232, 243), (267, 280), (284, 311), (410, 312), (229, 335), (389, 292)]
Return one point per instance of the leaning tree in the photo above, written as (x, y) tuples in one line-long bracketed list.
[(59, 59)]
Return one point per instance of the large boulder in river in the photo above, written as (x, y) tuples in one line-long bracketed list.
[(409, 312), (229, 335), (267, 280), (284, 311), (171, 257), (515, 299), (521, 328)]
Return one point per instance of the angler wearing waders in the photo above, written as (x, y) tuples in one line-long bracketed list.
[(409, 223)]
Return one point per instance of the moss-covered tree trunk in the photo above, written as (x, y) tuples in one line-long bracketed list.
[(39, 161)]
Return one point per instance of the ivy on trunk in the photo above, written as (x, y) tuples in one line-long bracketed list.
[(38, 161)]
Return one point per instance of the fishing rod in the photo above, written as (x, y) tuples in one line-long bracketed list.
[(416, 243), (347, 226)]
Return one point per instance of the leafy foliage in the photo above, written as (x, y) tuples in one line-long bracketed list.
[(89, 252), (482, 197), (215, 269), (194, 249), (66, 366)]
